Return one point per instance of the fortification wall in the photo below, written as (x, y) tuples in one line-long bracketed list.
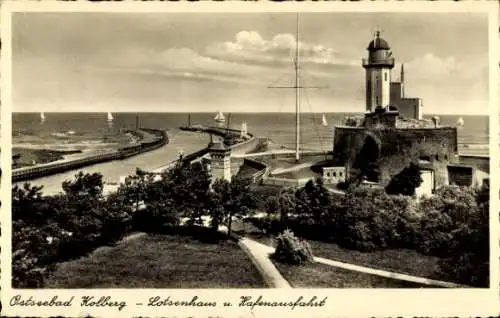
[(397, 148), (269, 155), (479, 162), (408, 107), (245, 146), (263, 168), (283, 182), (240, 148)]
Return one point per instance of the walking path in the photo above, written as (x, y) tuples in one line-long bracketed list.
[(261, 252), (294, 168)]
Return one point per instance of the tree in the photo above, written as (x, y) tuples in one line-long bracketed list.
[(81, 211), (366, 219), (189, 188), (278, 207), (313, 200), (406, 181), (116, 217), (135, 187), (28, 204), (234, 197), (469, 246), (89, 185), (282, 204)]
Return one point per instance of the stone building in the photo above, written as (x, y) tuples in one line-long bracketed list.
[(393, 134), (333, 175), (220, 161), (407, 107)]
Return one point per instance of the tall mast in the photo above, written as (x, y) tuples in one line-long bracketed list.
[(297, 96)]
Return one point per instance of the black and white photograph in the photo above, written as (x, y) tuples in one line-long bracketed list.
[(249, 150)]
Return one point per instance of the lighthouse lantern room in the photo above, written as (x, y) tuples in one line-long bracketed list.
[(378, 68)]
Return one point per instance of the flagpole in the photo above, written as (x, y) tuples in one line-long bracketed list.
[(297, 96)]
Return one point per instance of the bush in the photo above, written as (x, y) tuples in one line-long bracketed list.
[(469, 250), (370, 219), (441, 215), (406, 181), (291, 250)]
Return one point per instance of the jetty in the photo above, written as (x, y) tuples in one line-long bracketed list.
[(152, 139)]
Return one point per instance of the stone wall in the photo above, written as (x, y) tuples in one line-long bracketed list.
[(480, 162), (397, 148), (245, 146), (409, 107)]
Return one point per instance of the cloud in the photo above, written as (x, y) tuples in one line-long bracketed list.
[(248, 58), (442, 81), (430, 67), (250, 46)]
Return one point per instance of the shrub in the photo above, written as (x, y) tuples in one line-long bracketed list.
[(441, 215), (291, 250), (406, 181), (468, 262), (369, 219)]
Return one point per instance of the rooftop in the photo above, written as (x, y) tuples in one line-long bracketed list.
[(378, 43)]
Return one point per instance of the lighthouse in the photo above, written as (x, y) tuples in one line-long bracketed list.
[(378, 68)]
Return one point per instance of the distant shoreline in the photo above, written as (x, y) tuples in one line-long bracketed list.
[(26, 157)]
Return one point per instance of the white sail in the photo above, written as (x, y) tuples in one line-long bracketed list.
[(460, 122), (323, 121), (110, 117), (219, 117), (42, 116)]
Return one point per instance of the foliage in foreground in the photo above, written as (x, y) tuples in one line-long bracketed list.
[(51, 229), (291, 250), (452, 224)]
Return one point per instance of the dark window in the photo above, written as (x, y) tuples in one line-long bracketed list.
[(340, 174), (385, 77), (328, 174), (335, 174), (437, 157)]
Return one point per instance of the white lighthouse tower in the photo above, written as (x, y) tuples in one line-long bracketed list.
[(378, 68)]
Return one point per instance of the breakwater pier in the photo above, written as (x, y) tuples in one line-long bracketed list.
[(152, 139)]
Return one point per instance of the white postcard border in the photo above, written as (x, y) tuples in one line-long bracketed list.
[(340, 302)]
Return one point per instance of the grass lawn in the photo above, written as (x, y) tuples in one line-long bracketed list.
[(324, 276), (160, 261), (398, 260)]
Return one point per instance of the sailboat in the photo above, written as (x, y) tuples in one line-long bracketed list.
[(219, 117), (110, 117), (323, 121), (460, 122), (42, 117)]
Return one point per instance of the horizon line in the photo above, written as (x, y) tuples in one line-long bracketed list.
[(227, 112)]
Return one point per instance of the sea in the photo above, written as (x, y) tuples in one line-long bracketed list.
[(91, 131)]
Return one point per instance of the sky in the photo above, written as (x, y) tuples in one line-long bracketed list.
[(206, 62)]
